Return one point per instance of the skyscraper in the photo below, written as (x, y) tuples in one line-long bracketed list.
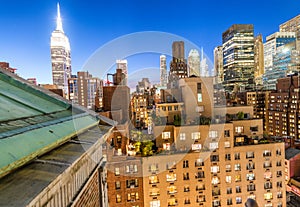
[(273, 42), (194, 63), (218, 64), (163, 71), (258, 59), (60, 55), (122, 64), (203, 65), (238, 57), (178, 66), (292, 25)]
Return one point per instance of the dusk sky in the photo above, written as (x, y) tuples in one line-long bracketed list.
[(26, 26)]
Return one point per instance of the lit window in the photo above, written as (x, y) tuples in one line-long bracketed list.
[(167, 146), (155, 203), (228, 179), (117, 171), (238, 200), (166, 135), (153, 179), (237, 167), (171, 177), (213, 134), (153, 167), (182, 136), (213, 145), (268, 196), (215, 180), (250, 176), (196, 135), (239, 129), (227, 144), (118, 198)]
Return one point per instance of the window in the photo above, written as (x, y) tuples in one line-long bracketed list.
[(249, 155), (132, 197), (172, 189), (229, 201), (237, 167), (155, 203), (166, 135), (268, 196), (118, 185), (200, 186), (228, 179), (186, 188), (278, 152), (250, 176), (279, 173), (199, 92), (227, 157), (132, 183), (227, 144), (185, 164), (267, 164), (169, 108), (267, 153), (214, 158), (117, 171), (214, 169), (171, 177), (213, 145), (268, 175), (237, 156), (200, 198), (254, 128), (213, 134), (196, 147), (238, 178), (186, 176), (118, 198), (251, 187), (199, 162), (182, 136), (268, 185), (216, 203), (187, 201), (226, 133), (228, 168), (250, 166), (153, 179), (279, 194), (154, 192), (238, 189), (278, 163), (238, 200), (131, 168), (167, 146), (239, 129), (196, 135), (215, 180), (153, 167), (171, 165), (172, 202), (279, 184), (229, 190), (199, 174)]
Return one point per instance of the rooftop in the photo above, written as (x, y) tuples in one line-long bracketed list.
[(291, 152)]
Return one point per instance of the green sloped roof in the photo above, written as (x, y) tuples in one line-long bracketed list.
[(32, 122)]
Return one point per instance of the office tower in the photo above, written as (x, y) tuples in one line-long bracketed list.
[(122, 64), (292, 25), (203, 65), (238, 57), (258, 59), (273, 42), (163, 71), (60, 55), (194, 63), (283, 109), (82, 89), (218, 64), (178, 50), (178, 66)]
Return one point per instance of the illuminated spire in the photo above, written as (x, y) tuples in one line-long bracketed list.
[(58, 20)]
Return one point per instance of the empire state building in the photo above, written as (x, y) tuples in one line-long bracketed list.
[(60, 56)]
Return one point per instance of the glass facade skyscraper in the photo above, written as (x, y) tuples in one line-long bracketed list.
[(238, 57)]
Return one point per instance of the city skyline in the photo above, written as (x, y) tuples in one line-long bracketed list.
[(89, 25)]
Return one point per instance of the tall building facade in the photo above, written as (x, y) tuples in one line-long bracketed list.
[(122, 64), (84, 89), (258, 59), (238, 57), (178, 65), (292, 25), (283, 117), (60, 55), (163, 71), (194, 63), (218, 64), (273, 42)]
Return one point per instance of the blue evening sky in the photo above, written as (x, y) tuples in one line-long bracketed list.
[(26, 27)]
